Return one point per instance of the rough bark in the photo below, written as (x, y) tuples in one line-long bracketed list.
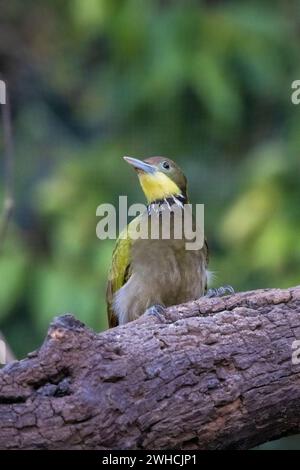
[(216, 374)]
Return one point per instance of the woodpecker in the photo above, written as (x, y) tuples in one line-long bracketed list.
[(151, 274)]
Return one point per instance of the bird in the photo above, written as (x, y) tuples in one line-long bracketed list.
[(149, 275)]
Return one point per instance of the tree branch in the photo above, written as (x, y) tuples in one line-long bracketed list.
[(217, 374)]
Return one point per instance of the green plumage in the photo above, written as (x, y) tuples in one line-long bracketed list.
[(118, 275)]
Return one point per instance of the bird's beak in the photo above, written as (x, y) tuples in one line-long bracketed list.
[(139, 165)]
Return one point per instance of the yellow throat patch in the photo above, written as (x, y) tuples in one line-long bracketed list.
[(157, 186)]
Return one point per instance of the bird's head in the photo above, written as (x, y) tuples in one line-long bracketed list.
[(159, 177)]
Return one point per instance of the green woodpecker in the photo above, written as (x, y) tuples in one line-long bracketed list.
[(155, 272)]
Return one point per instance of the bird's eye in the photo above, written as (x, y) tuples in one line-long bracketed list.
[(166, 165)]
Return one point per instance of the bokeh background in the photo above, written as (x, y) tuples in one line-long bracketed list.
[(207, 83)]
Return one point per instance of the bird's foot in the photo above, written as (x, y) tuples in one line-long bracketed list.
[(158, 311), (219, 291)]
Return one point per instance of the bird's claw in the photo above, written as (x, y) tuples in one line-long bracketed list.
[(219, 291), (158, 311)]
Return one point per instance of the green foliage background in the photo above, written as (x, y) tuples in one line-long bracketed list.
[(207, 83)]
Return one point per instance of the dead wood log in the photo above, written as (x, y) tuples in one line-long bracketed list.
[(216, 374)]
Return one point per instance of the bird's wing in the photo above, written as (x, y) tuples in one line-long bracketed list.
[(119, 274), (206, 252)]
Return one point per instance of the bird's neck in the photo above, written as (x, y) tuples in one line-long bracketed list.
[(159, 204)]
